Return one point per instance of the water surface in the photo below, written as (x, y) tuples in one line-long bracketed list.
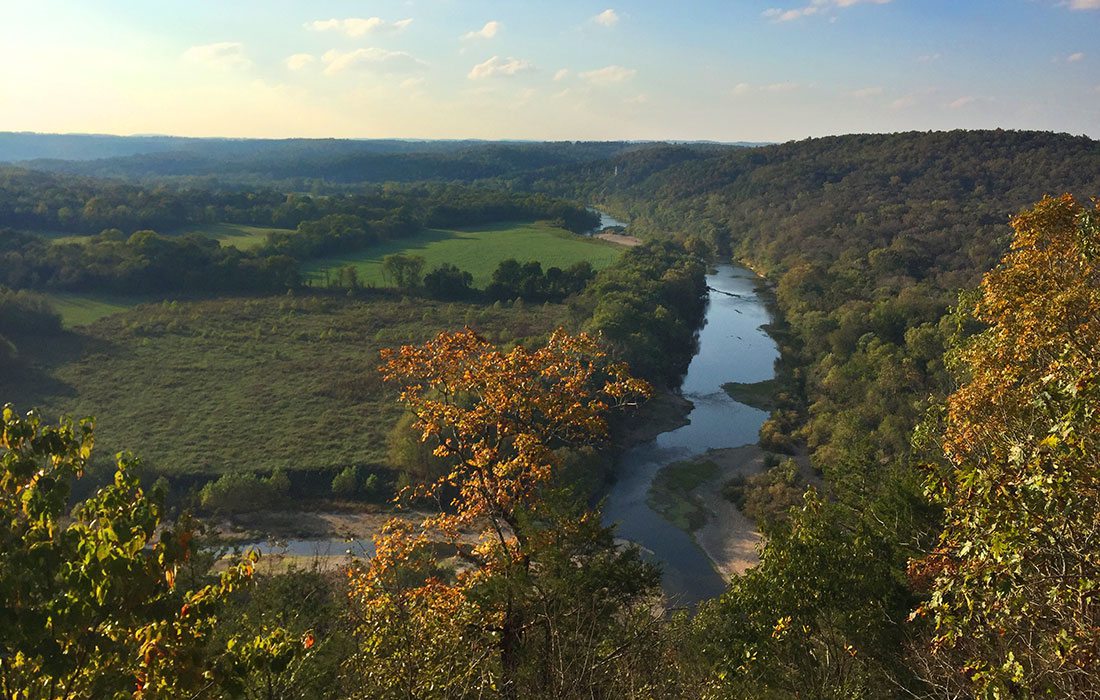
[(732, 348)]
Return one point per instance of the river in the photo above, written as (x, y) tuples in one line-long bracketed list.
[(607, 221), (732, 348)]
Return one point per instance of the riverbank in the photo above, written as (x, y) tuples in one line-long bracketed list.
[(619, 239), (728, 536)]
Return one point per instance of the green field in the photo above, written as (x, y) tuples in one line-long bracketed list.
[(82, 309), (239, 236), (247, 384), (476, 250)]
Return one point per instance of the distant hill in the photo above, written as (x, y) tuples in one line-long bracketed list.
[(288, 160)]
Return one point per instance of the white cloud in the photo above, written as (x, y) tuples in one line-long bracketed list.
[(866, 92), (607, 18), (962, 102), (358, 26), (1075, 57), (411, 83), (225, 55), (299, 61), (379, 59), (778, 14), (561, 75), (608, 75), (496, 66), (1084, 4), (487, 32), (929, 58)]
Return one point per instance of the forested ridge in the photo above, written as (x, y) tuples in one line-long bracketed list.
[(874, 245), (938, 316)]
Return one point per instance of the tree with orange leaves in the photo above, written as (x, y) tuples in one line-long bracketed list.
[(1016, 576), (538, 577)]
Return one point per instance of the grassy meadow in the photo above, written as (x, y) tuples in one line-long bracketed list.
[(82, 309), (247, 384), (239, 236), (476, 250)]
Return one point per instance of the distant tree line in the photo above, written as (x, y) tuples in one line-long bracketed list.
[(144, 261), (47, 202)]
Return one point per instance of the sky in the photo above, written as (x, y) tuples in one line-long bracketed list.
[(723, 70)]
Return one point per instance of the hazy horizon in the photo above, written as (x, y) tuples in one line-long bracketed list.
[(751, 71)]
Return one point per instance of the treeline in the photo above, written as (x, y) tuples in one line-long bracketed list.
[(303, 163), (144, 262), (52, 203)]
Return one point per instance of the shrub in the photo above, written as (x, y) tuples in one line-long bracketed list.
[(346, 483)]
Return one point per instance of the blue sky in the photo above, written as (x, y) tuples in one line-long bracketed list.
[(730, 70)]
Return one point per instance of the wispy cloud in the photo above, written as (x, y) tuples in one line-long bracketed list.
[(1084, 4), (373, 58), (962, 102), (357, 26), (499, 67), (487, 32), (929, 58), (224, 55), (816, 7), (561, 75), (608, 75), (903, 103), (607, 18), (866, 92), (299, 61), (774, 88), (1075, 57)]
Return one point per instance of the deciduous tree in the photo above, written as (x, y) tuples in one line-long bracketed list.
[(533, 570), (1014, 580)]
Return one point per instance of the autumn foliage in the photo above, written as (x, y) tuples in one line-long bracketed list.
[(1014, 594), (497, 419)]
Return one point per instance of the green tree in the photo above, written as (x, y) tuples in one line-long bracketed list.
[(346, 483), (820, 617), (403, 270), (89, 604), (448, 282)]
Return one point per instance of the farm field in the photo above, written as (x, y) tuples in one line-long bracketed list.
[(207, 387), (476, 250)]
